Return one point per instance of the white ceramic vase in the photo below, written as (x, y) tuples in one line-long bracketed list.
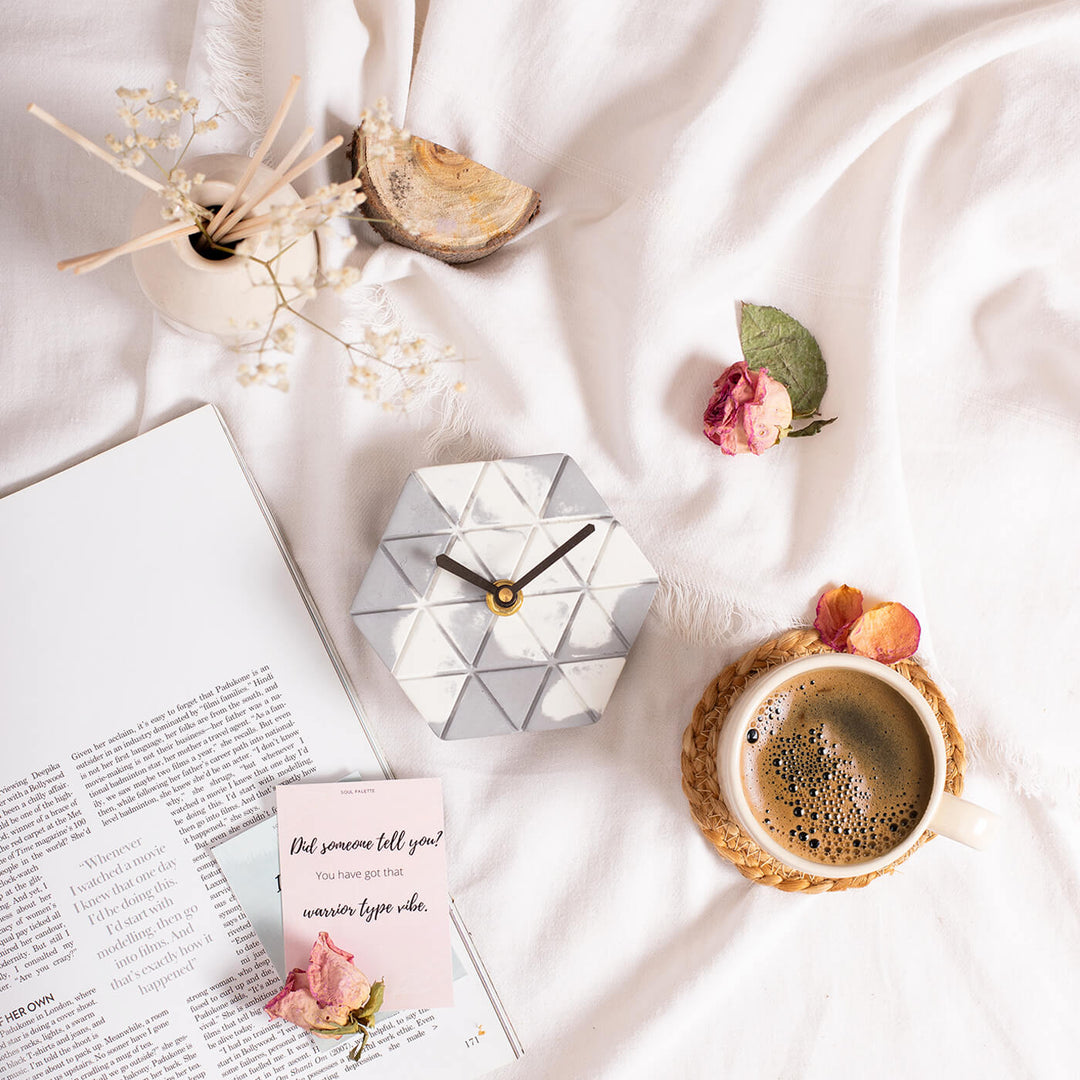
[(232, 299)]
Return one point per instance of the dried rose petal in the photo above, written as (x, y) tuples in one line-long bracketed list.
[(887, 632), (837, 611)]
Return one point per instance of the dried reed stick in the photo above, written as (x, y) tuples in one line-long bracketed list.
[(93, 148), (251, 226), (260, 153), (96, 259), (297, 170), (248, 204)]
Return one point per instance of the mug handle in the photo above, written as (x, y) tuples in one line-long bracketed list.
[(961, 820)]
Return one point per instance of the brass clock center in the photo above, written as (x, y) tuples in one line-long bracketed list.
[(505, 600)]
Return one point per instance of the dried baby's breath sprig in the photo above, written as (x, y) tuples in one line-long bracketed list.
[(384, 139), (264, 373), (156, 124), (177, 203), (386, 364)]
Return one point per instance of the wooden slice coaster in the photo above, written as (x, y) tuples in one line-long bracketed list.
[(702, 788)]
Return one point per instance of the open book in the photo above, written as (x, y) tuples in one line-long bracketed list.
[(162, 668)]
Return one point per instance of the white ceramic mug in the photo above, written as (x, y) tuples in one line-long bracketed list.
[(944, 814)]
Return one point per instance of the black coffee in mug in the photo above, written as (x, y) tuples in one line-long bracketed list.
[(837, 766)]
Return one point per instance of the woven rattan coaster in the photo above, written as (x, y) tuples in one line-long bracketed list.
[(699, 764)]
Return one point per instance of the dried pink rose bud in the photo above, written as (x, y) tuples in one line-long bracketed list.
[(748, 412), (323, 998), (836, 613)]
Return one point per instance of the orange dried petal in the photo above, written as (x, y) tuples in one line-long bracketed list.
[(887, 632), (837, 611)]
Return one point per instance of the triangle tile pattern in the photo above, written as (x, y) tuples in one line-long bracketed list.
[(451, 486), (387, 631), (573, 495), (477, 714), (497, 552), (515, 690), (468, 671), (465, 625), (416, 513), (626, 606), (428, 651), (559, 706), (446, 586), (435, 698), (548, 617), (583, 557), (594, 680), (591, 634), (414, 556), (384, 586), (496, 503), (532, 477), (510, 644), (554, 578), (621, 562)]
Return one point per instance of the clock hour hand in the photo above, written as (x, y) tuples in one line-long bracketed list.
[(554, 557), (444, 562)]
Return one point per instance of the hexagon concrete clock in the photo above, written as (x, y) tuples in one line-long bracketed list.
[(504, 596)]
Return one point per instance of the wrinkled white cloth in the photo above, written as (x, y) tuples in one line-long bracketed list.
[(900, 178)]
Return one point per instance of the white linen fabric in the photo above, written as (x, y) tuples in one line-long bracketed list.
[(901, 178)]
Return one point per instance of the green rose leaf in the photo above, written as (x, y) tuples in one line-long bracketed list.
[(774, 340), (810, 429), (373, 1004)]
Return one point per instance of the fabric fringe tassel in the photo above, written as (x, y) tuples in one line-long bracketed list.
[(702, 617), (456, 436), (234, 49), (1053, 781)]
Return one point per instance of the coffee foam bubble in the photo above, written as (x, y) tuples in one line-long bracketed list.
[(837, 767)]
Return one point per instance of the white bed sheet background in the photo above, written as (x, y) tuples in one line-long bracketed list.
[(901, 178)]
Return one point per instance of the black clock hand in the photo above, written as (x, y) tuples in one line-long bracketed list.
[(554, 557), (444, 562)]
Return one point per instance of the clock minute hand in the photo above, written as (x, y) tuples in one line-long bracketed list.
[(444, 562), (554, 557)]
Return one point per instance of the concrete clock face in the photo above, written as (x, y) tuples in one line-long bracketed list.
[(504, 596)]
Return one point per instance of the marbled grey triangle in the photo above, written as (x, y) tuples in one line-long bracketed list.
[(476, 714), (415, 557), (383, 587), (514, 689), (386, 631), (574, 496), (416, 513), (464, 624), (559, 706), (627, 607), (532, 477), (435, 697)]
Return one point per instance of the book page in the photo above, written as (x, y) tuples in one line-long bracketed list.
[(160, 674)]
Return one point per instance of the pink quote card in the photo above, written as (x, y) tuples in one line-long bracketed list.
[(366, 862)]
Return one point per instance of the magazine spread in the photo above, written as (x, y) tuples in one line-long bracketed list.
[(162, 669)]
